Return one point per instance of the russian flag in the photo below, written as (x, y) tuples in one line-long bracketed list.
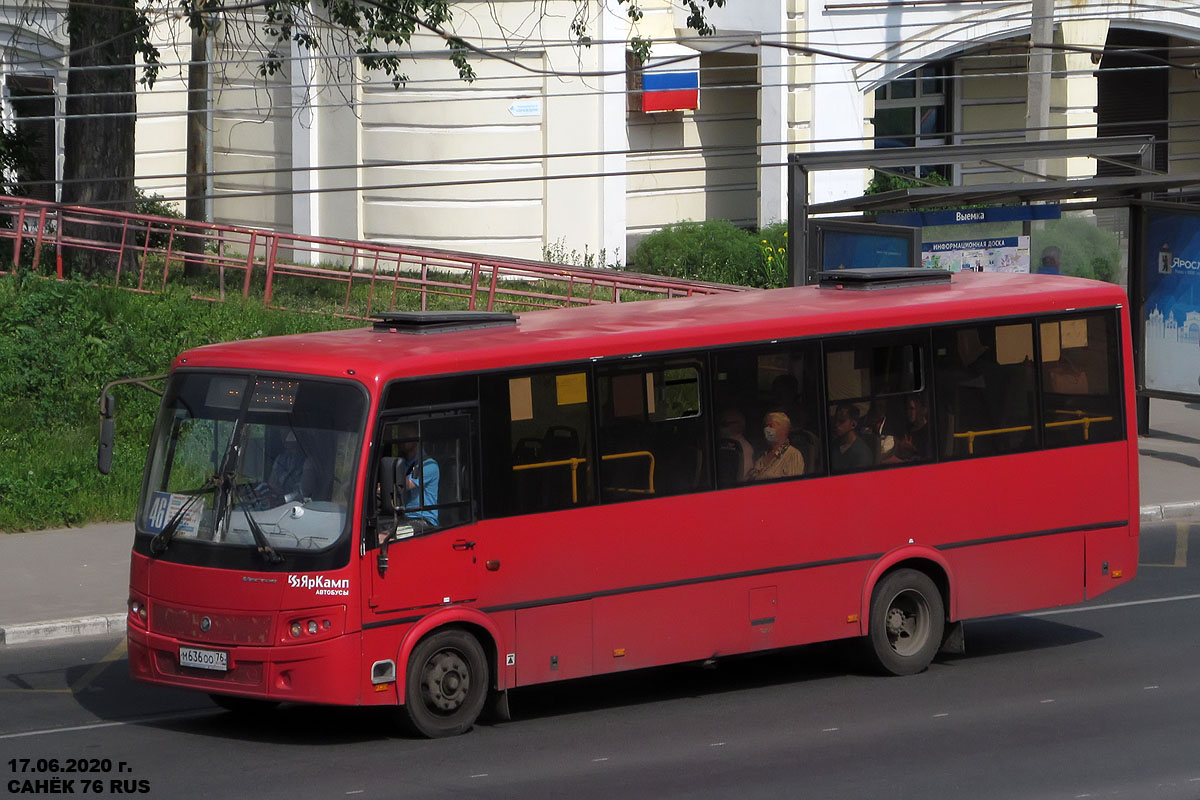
[(670, 91)]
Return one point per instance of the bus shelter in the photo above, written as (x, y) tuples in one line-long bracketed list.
[(1139, 230)]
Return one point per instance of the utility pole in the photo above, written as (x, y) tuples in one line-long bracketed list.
[(1037, 108)]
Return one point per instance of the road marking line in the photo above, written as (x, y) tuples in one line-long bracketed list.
[(1054, 611), (717, 744), (943, 714), (95, 726), (85, 680), (594, 760), (1181, 546), (827, 730), (480, 775), (1149, 687), (1047, 701)]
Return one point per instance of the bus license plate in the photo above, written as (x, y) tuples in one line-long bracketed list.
[(203, 659)]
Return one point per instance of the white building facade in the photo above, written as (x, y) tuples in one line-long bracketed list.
[(548, 148)]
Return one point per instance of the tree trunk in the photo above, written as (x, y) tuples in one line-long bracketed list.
[(197, 151), (101, 104)]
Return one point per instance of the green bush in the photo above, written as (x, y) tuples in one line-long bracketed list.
[(60, 342), (716, 250)]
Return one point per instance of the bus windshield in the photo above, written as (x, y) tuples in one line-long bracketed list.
[(238, 459)]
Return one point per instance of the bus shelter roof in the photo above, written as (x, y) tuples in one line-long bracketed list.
[(1106, 190)]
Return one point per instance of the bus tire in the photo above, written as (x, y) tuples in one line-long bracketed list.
[(907, 621), (243, 705), (446, 684)]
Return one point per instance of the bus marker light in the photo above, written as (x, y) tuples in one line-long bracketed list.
[(493, 564), (381, 687), (1116, 573), (851, 618), (296, 630), (312, 626), (619, 652)]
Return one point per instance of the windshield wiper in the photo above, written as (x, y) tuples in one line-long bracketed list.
[(264, 547)]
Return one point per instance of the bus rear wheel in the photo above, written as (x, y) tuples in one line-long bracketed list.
[(446, 685), (907, 621)]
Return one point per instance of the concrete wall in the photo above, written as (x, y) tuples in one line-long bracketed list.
[(251, 135), (716, 178)]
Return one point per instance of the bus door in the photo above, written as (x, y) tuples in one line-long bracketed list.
[(420, 546)]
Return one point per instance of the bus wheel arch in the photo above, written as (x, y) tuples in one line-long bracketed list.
[(907, 604), (446, 682)]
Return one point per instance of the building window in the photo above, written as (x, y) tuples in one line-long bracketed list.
[(913, 111)]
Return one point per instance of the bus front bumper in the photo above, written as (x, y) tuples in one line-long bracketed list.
[(317, 672)]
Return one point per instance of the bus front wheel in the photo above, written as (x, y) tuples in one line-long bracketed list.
[(907, 621), (447, 682)]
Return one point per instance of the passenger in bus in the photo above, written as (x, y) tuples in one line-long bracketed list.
[(849, 452), (786, 397), (731, 427), (914, 444), (781, 459)]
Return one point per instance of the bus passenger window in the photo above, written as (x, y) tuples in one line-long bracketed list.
[(986, 389), (537, 442), (1081, 386), (653, 437), (878, 402), (751, 383)]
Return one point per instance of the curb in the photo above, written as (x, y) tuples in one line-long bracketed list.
[(62, 628), (1170, 511)]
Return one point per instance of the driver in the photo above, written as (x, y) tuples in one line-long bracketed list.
[(421, 487), (286, 481)]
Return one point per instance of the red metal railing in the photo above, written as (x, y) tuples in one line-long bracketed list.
[(349, 278)]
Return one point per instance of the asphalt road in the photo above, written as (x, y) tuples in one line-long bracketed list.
[(1100, 700)]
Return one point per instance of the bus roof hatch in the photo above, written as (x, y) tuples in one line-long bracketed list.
[(440, 321), (883, 277)]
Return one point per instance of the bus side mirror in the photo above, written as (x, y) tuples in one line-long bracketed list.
[(108, 410)]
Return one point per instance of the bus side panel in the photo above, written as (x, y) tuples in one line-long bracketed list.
[(1112, 558), (554, 642), (711, 619), (1019, 575)]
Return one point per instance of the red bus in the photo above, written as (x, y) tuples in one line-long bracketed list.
[(430, 512)]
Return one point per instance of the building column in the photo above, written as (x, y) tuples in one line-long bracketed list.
[(306, 204), (1073, 95), (773, 124), (614, 137)]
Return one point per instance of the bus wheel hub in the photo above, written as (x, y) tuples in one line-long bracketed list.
[(447, 681)]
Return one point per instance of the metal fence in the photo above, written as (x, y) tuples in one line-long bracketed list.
[(310, 273)]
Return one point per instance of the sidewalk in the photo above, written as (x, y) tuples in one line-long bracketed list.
[(74, 582)]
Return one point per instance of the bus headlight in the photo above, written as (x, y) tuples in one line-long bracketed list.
[(314, 624), (137, 610)]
